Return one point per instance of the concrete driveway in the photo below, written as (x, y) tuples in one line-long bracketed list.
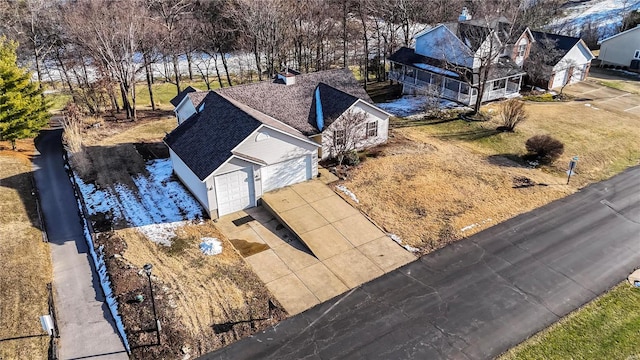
[(603, 97), (335, 248)]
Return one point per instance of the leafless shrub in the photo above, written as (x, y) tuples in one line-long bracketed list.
[(512, 113), (544, 148), (72, 123)]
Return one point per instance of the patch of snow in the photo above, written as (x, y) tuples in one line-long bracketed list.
[(435, 69), (397, 239), (605, 15), (210, 246), (105, 281), (409, 105), (469, 227), (348, 192), (591, 106), (157, 206)]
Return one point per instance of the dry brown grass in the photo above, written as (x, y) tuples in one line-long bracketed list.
[(452, 175), (205, 290), (25, 268)]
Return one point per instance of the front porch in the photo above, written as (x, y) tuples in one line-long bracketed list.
[(440, 82)]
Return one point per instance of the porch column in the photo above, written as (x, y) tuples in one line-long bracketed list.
[(459, 88)]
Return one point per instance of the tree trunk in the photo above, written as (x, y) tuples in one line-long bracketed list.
[(125, 100), (188, 54), (226, 67), (176, 71), (344, 33), (147, 70), (256, 54), (366, 46), (215, 65)]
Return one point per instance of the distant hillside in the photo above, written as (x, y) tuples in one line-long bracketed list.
[(605, 15)]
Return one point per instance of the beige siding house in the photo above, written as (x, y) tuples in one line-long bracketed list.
[(622, 49)]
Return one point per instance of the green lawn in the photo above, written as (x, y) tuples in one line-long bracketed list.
[(606, 328)]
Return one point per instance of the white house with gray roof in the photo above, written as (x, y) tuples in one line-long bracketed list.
[(234, 144)]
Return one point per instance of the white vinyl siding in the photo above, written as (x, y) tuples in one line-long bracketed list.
[(190, 180), (620, 49), (286, 173)]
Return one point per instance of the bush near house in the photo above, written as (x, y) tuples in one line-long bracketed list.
[(544, 149)]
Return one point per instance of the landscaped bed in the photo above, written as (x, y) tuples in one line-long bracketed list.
[(206, 295)]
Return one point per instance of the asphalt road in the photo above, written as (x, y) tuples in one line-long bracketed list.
[(478, 297), (86, 326)]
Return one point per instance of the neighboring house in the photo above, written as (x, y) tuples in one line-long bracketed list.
[(234, 144), (622, 49), (570, 62), (448, 59)]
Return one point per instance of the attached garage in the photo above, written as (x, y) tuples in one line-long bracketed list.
[(286, 173), (559, 79), (235, 191)]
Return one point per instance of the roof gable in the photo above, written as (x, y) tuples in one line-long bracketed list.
[(178, 98), (561, 44), (333, 103), (442, 44), (205, 140)]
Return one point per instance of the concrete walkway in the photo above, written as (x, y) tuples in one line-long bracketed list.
[(86, 327), (340, 248)]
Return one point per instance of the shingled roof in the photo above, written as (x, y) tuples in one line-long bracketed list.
[(178, 98), (205, 140), (294, 104), (562, 44)]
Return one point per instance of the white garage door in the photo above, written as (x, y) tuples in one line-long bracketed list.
[(286, 173), (559, 78), (234, 191)]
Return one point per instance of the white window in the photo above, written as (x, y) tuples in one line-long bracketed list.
[(339, 137), (372, 129), (522, 49), (637, 54)]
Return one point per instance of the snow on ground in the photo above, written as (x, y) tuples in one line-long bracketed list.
[(606, 15), (398, 240), (157, 206), (210, 246), (348, 193), (409, 105)]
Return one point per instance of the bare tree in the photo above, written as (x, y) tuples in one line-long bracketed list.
[(110, 32), (542, 58), (347, 133)]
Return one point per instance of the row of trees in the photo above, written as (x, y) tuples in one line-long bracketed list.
[(99, 48)]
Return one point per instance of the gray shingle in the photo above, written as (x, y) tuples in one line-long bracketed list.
[(178, 98), (294, 104), (205, 140)]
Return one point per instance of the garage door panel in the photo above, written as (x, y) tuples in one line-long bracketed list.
[(234, 191), (286, 173)]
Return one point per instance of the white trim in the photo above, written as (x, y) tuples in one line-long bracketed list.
[(426, 31), (369, 105), (616, 35), (304, 139)]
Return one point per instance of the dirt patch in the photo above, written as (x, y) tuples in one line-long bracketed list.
[(25, 268)]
